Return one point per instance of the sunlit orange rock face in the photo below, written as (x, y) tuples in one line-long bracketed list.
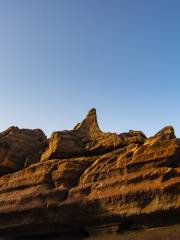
[(85, 177)]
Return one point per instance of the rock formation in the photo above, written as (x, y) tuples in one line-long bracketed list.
[(87, 139), (20, 148), (86, 178)]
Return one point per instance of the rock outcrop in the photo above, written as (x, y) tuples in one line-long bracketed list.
[(20, 148), (86, 177), (87, 139)]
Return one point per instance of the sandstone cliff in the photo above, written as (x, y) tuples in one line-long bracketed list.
[(85, 177)]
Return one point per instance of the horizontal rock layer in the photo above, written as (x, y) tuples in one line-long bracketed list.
[(86, 177)]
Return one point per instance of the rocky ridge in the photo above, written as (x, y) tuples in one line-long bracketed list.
[(85, 177)]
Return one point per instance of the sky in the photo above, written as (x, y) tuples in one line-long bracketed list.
[(60, 58)]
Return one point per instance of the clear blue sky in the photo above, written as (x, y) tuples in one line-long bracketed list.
[(59, 58)]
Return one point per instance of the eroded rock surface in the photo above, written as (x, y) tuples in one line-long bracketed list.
[(87, 178), (20, 148), (87, 139)]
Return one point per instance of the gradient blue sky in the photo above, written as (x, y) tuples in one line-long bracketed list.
[(59, 58)]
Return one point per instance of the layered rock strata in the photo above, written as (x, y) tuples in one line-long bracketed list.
[(86, 177)]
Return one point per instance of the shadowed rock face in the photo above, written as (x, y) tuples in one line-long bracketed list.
[(20, 148), (87, 178)]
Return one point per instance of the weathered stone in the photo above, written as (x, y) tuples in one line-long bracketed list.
[(87, 139), (88, 178), (20, 148), (166, 133)]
